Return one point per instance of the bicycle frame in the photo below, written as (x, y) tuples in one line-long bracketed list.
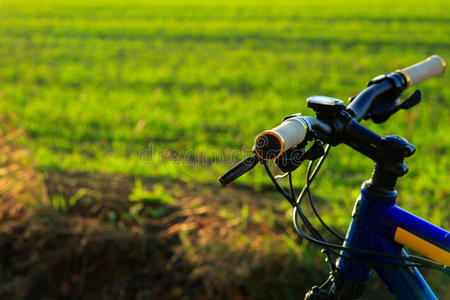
[(379, 225)]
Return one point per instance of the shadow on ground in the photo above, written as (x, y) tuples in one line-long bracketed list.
[(101, 236)]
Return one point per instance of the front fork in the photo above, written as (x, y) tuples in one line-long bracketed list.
[(368, 231)]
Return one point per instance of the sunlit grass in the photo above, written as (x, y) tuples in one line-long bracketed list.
[(98, 86)]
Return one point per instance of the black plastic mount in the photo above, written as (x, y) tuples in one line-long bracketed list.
[(338, 288), (293, 158)]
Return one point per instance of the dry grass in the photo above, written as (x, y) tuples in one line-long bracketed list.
[(20, 185)]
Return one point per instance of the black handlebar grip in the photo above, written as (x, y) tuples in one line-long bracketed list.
[(239, 169)]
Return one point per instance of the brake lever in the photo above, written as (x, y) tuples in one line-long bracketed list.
[(239, 169), (383, 110), (409, 102)]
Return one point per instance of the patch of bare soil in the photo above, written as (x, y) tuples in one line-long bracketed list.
[(194, 250), (102, 247)]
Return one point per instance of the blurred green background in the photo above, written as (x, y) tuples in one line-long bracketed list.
[(157, 98)]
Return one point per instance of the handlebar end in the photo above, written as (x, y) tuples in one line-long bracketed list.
[(269, 145), (430, 67)]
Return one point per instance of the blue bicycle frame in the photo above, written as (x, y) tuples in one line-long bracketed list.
[(379, 225)]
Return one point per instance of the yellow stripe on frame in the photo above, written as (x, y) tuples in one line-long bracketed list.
[(416, 243)]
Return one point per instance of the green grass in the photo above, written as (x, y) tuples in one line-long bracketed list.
[(120, 87)]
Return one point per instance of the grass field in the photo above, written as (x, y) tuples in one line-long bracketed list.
[(179, 89)]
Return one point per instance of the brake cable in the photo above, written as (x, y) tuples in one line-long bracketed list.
[(413, 261), (428, 263), (313, 207), (305, 220)]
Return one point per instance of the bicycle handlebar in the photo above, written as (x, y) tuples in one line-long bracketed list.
[(430, 67), (270, 144)]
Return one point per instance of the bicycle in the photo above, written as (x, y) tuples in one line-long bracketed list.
[(379, 228)]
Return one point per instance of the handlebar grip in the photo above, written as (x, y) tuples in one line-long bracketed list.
[(432, 66), (270, 144)]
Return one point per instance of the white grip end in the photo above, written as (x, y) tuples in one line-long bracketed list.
[(270, 144), (432, 66)]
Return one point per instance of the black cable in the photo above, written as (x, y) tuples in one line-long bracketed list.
[(313, 207), (327, 250), (372, 264), (305, 220), (318, 240), (424, 262), (331, 264), (308, 224), (427, 263), (326, 281), (277, 186), (365, 262)]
